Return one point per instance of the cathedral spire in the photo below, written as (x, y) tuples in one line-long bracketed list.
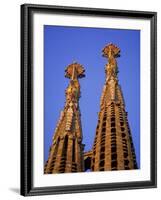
[(66, 152), (113, 148)]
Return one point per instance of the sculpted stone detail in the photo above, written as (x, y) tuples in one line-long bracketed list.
[(111, 52), (112, 83), (69, 119)]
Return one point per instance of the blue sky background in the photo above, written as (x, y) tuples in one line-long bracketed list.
[(62, 46)]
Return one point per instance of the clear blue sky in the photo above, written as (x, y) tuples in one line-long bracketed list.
[(62, 46)]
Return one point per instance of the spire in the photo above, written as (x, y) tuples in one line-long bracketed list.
[(113, 147), (66, 152)]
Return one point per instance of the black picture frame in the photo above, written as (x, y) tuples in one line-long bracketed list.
[(27, 11)]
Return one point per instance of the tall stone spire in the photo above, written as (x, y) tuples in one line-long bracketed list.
[(113, 147), (66, 152)]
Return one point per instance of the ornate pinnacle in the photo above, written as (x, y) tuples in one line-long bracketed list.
[(74, 71), (111, 50)]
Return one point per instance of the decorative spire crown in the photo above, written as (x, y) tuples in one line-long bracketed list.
[(111, 50), (74, 71)]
